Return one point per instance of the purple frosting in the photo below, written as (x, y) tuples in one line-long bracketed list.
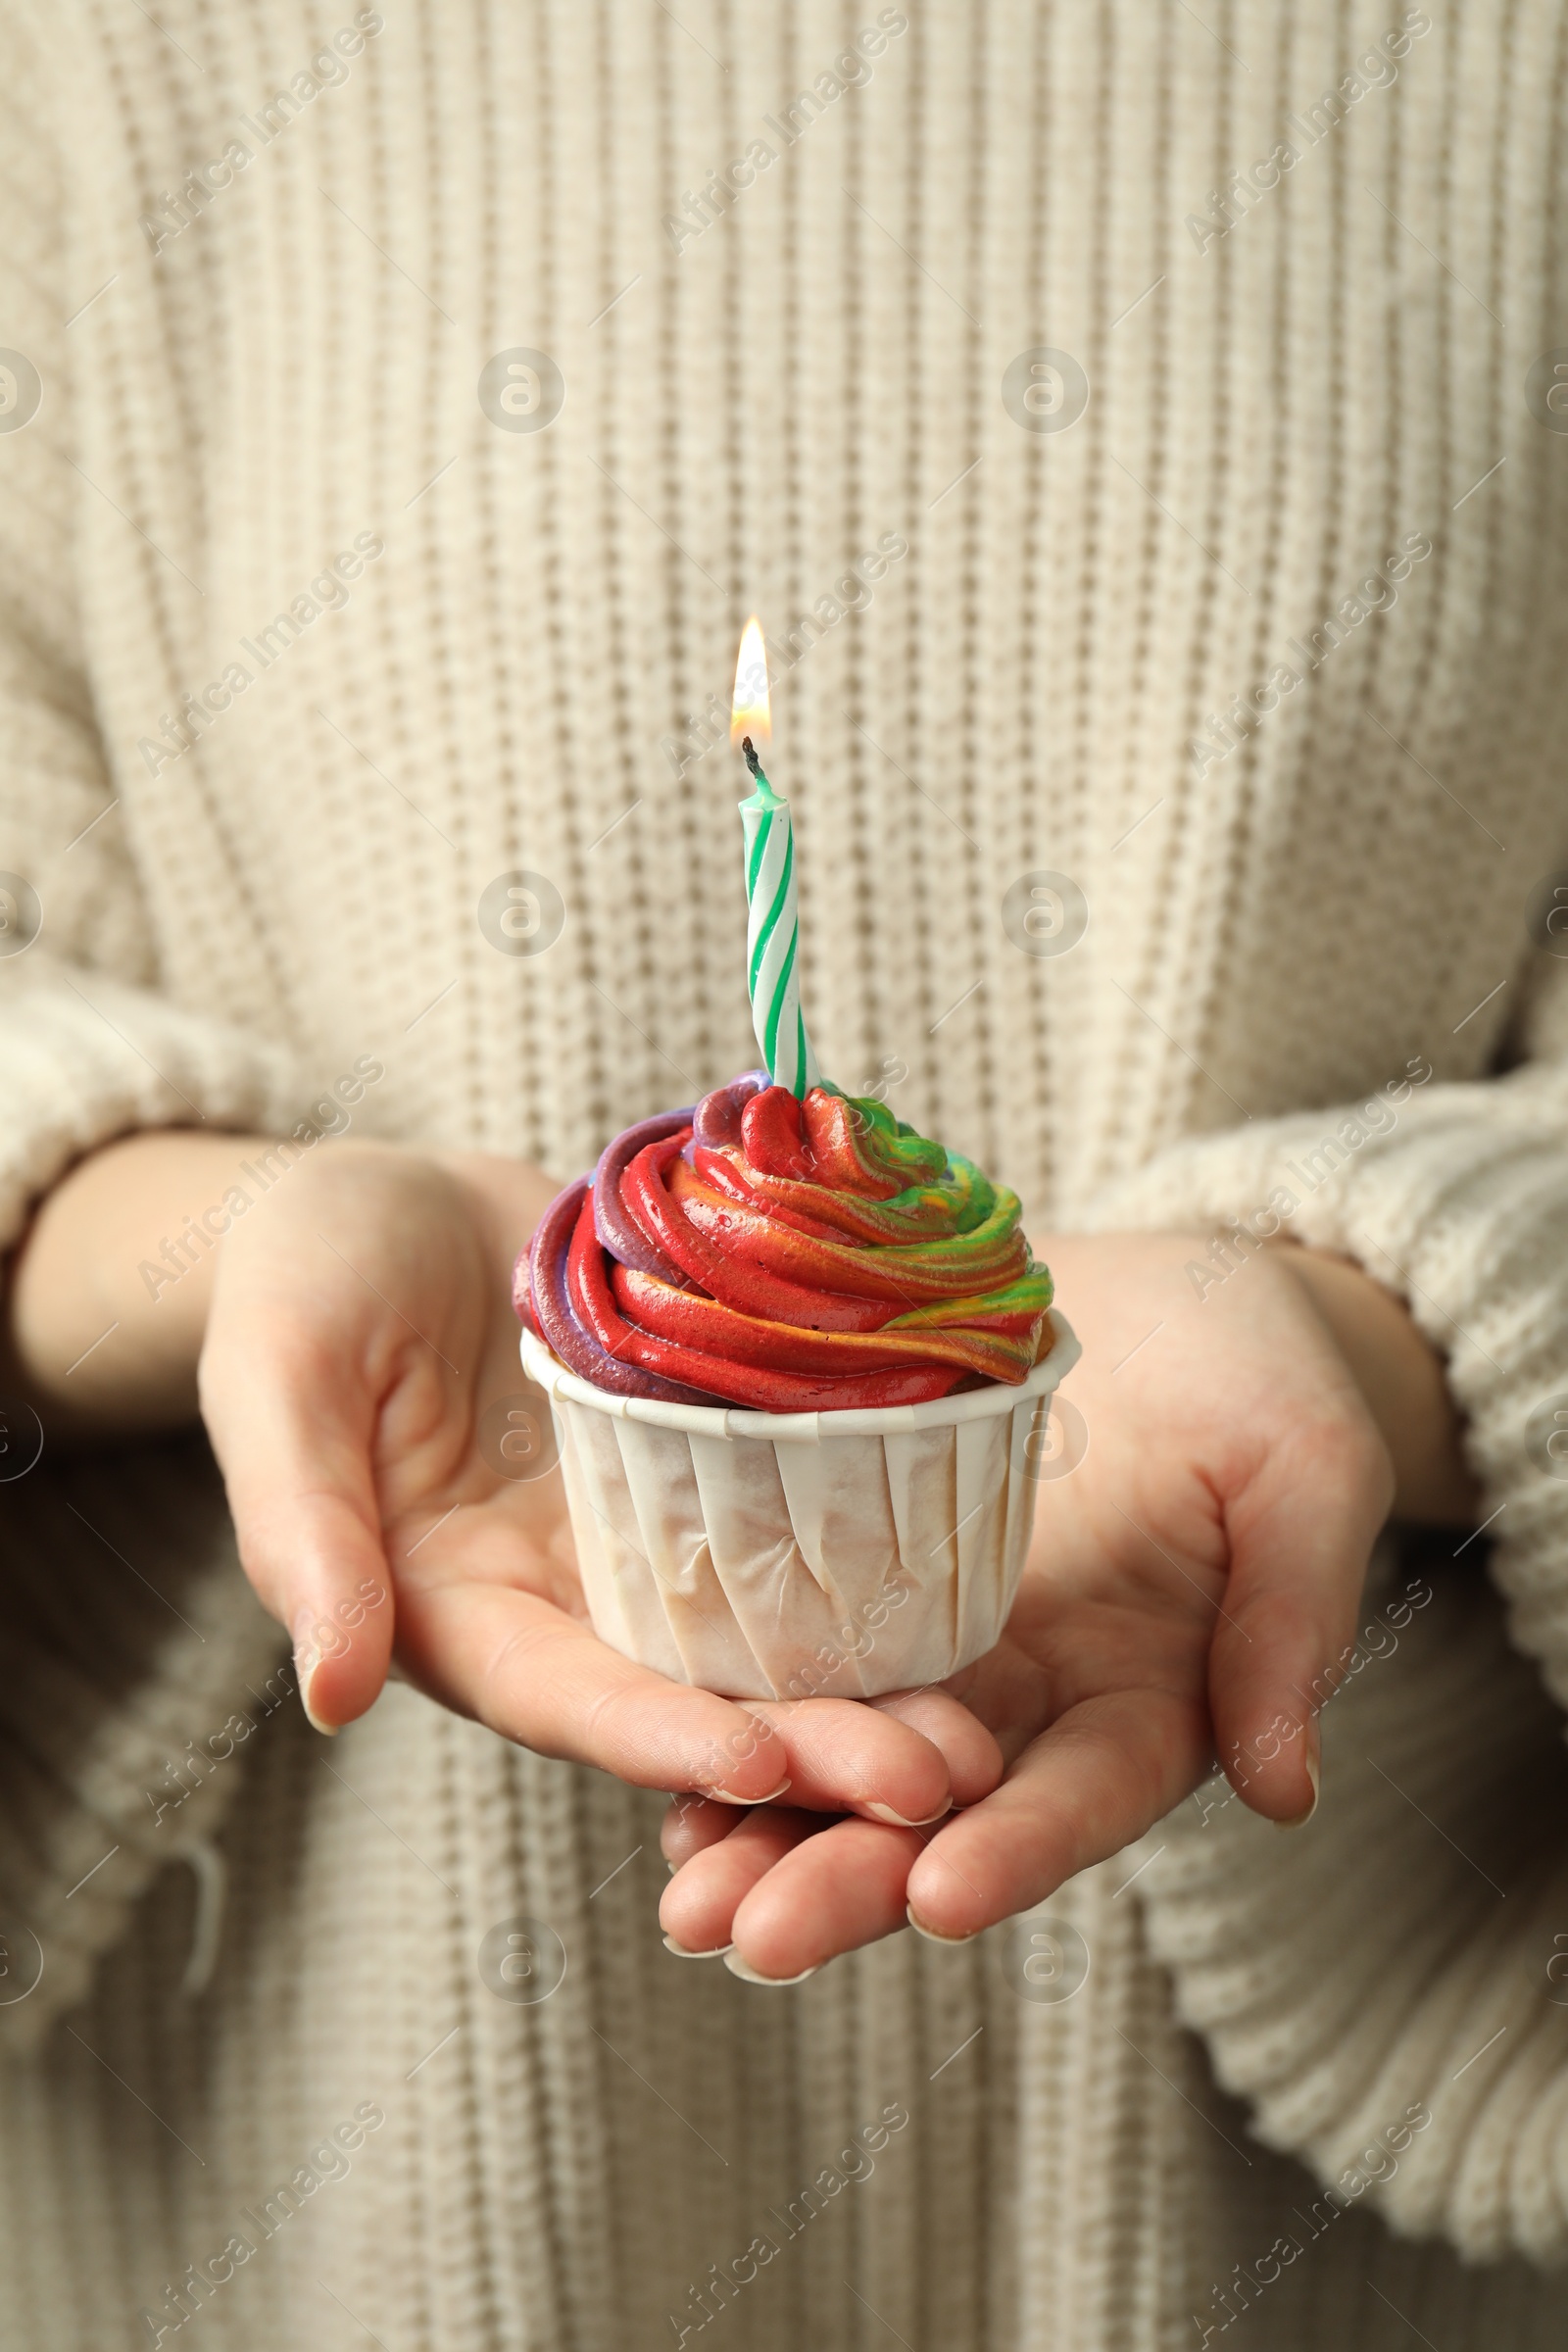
[(717, 1120), (620, 1236), (556, 1320), (540, 1288)]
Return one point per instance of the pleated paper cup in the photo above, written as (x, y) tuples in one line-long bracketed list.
[(791, 1556)]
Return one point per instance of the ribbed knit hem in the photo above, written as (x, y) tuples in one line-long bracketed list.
[(138, 1664), (1337, 1971)]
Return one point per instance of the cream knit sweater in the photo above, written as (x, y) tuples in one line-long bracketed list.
[(1261, 648)]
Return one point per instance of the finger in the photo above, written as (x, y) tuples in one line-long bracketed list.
[(1301, 1533), (701, 1902), (849, 1757), (522, 1667), (1096, 1780), (820, 1775), (292, 1434), (826, 1894), (974, 1760), (694, 1823)]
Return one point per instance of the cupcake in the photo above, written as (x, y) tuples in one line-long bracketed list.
[(799, 1359)]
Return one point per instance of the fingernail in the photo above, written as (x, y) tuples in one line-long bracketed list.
[(725, 1797), (673, 1867), (1300, 1821), (751, 1975), (681, 1953), (902, 1821), (307, 1658), (933, 1934)]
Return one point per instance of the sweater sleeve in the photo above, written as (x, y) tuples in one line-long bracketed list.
[(89, 1049), (1406, 1949), (127, 1630)]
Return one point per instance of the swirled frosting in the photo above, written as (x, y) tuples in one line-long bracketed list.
[(794, 1255)]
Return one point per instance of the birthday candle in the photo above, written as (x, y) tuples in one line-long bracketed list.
[(772, 928)]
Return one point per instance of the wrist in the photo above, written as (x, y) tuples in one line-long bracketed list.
[(1402, 1381), (108, 1291)]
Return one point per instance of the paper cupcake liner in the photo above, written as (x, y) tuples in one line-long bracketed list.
[(793, 1555)]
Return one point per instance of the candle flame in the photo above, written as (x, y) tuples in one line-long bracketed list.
[(750, 712)]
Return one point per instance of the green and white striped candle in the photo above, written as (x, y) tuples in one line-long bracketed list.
[(773, 925)]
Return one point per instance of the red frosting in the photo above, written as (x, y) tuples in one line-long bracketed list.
[(794, 1256)]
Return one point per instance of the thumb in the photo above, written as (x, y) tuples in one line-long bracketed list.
[(1301, 1533), (291, 1428)]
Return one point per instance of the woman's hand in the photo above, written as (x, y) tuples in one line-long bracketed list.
[(1190, 1582), (352, 1336)]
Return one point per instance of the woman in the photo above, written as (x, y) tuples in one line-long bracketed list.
[(1138, 435)]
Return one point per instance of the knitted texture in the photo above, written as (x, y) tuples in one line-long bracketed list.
[(118, 1668), (1300, 447)]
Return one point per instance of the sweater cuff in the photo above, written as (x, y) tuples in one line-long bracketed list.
[(84, 1059)]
